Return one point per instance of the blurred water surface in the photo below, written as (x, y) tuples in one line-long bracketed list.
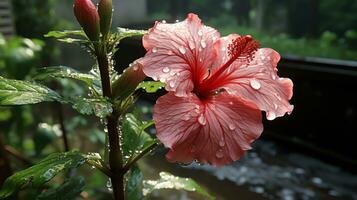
[(269, 171)]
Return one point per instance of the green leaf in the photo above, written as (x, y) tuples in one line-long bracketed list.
[(125, 33), (151, 86), (69, 190), (66, 33), (15, 92), (63, 72), (71, 40), (67, 36), (101, 107), (42, 172), (134, 183), (169, 181), (135, 139)]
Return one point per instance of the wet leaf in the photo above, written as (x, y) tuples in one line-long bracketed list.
[(135, 139), (16, 92), (101, 107), (125, 33), (69, 190), (134, 183), (42, 172), (169, 181), (66, 33), (71, 40), (63, 72), (69, 36), (151, 86)]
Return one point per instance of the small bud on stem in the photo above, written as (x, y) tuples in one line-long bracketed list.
[(88, 17), (105, 10), (128, 81)]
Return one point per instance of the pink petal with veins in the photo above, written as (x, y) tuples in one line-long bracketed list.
[(216, 131), (179, 54), (257, 81)]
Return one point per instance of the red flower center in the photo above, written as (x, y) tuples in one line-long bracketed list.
[(241, 49)]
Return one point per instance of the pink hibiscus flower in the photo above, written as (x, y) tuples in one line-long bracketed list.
[(217, 88)]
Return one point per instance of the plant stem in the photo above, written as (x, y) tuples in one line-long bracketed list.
[(115, 153), (137, 157), (5, 167), (18, 155), (63, 127)]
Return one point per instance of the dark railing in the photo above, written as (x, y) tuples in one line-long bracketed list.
[(6, 22), (324, 120)]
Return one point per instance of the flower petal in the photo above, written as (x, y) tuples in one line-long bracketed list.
[(179, 54), (217, 131), (257, 81)]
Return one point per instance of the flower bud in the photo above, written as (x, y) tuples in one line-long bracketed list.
[(128, 81), (105, 10), (88, 17)]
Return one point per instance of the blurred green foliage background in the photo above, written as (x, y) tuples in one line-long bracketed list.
[(311, 28)]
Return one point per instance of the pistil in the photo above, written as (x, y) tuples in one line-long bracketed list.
[(242, 48)]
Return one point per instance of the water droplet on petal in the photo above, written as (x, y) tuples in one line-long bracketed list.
[(165, 69), (219, 154), (255, 84), (230, 103), (273, 76), (136, 67), (271, 115), (177, 21), (200, 33), (203, 44), (222, 143), (170, 53), (291, 108), (192, 45), (232, 127), (187, 117), (172, 84), (182, 49), (275, 106), (163, 21), (172, 73), (154, 50), (162, 79), (202, 120)]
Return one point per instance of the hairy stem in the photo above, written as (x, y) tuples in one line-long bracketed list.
[(139, 156), (115, 153)]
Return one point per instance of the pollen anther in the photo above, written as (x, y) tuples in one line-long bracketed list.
[(243, 48)]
